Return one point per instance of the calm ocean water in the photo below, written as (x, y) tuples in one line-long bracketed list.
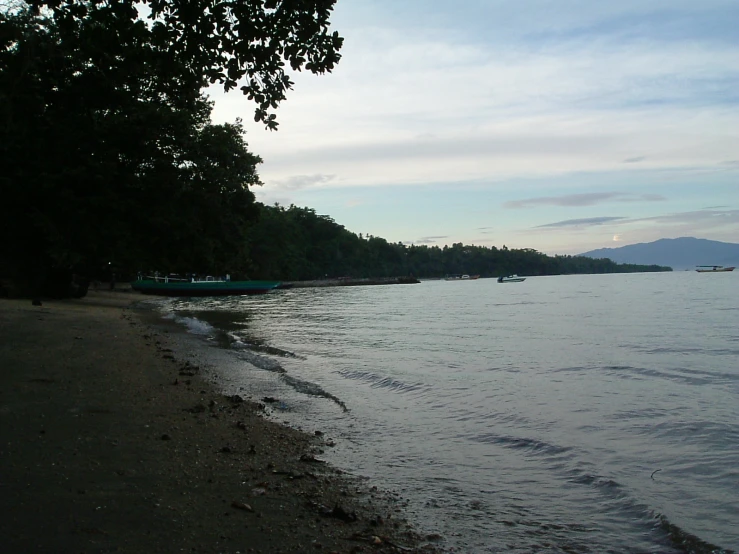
[(593, 413)]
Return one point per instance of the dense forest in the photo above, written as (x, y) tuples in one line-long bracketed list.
[(111, 163), (298, 244), (110, 160)]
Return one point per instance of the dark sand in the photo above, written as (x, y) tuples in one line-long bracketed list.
[(110, 444)]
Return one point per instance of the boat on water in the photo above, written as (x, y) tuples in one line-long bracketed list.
[(461, 277), (510, 279), (210, 286), (713, 268)]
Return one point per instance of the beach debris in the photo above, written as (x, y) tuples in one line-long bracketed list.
[(236, 399), (337, 512), (290, 474), (241, 506), (318, 433), (226, 449), (311, 459), (377, 540), (188, 369), (197, 409), (258, 491), (269, 399), (165, 437), (241, 425), (655, 471)]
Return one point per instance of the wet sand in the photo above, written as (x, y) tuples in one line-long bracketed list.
[(108, 443)]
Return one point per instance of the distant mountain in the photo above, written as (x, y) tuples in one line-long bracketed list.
[(681, 253)]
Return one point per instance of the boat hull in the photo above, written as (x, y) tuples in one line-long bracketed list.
[(210, 288), (511, 279), (715, 270)]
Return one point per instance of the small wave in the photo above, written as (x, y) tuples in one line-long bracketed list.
[(193, 324), (261, 362), (312, 389), (685, 541), (248, 343), (711, 432), (378, 381), (534, 446), (677, 374)]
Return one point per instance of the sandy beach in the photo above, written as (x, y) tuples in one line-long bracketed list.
[(110, 444)]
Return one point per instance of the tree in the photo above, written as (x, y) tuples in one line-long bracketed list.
[(242, 43), (106, 144)]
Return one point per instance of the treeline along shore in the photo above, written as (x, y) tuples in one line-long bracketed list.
[(109, 442), (297, 244), (111, 170)]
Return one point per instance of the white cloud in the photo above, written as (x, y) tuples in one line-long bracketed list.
[(492, 94)]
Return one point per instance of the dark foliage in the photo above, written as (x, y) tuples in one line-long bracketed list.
[(110, 161), (237, 43), (298, 244)]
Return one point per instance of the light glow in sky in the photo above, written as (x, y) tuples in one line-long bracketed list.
[(562, 126)]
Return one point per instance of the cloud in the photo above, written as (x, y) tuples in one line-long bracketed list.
[(703, 219), (297, 182), (585, 222), (706, 217), (429, 240), (617, 238), (643, 198), (586, 199), (634, 160)]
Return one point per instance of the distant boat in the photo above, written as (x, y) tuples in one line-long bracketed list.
[(210, 286), (713, 268), (511, 279), (461, 277)]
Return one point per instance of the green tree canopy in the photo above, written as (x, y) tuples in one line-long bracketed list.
[(298, 244), (244, 43), (106, 144)]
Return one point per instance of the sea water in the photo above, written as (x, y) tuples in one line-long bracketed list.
[(595, 413)]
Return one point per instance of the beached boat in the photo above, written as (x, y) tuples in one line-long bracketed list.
[(713, 268), (210, 286), (511, 279), (461, 277)]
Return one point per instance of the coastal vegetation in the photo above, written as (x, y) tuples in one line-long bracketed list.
[(110, 161), (298, 244), (112, 165)]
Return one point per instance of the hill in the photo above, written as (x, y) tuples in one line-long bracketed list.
[(297, 244), (680, 253)]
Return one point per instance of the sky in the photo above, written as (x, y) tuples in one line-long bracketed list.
[(558, 125)]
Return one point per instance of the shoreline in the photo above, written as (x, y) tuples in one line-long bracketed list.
[(109, 443)]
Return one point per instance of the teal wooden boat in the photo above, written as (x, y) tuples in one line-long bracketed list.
[(165, 286)]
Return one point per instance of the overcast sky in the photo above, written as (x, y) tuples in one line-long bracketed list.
[(559, 125)]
